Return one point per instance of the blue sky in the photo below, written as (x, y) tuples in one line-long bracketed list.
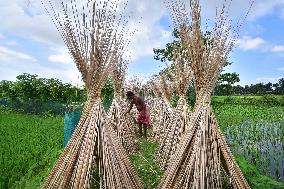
[(30, 43)]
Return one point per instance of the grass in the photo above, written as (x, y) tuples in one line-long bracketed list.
[(228, 114), (265, 100), (29, 147), (261, 144), (221, 98), (254, 178), (145, 165), (150, 173)]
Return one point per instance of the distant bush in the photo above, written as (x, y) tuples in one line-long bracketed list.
[(271, 100), (266, 100)]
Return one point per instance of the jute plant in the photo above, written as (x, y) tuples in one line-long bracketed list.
[(94, 32), (123, 124), (203, 158)]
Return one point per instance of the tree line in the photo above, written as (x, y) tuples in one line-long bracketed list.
[(32, 87), (226, 88)]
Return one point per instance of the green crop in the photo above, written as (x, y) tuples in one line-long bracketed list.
[(228, 114), (29, 146), (261, 143)]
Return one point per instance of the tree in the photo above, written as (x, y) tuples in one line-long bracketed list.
[(279, 87), (30, 87), (225, 83), (229, 78), (26, 86), (166, 54), (7, 89)]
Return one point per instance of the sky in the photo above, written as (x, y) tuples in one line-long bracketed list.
[(30, 43)]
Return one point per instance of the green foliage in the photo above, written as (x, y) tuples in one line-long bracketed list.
[(256, 89), (31, 94), (265, 100), (143, 161), (228, 114), (229, 78), (253, 176), (29, 147), (174, 100), (166, 54), (279, 87), (31, 144), (107, 94), (225, 83), (31, 87)]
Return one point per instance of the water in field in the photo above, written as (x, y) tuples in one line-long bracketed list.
[(262, 144)]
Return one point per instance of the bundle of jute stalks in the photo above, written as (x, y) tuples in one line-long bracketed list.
[(95, 33), (203, 158)]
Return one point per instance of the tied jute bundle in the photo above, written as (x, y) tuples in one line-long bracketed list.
[(123, 124), (164, 110), (94, 33), (203, 158), (182, 76)]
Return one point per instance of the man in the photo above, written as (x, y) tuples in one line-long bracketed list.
[(143, 117)]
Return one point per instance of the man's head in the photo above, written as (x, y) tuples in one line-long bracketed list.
[(129, 94)]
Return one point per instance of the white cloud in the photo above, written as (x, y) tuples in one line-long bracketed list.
[(259, 9), (11, 68), (28, 21), (6, 53), (248, 43), (281, 69), (150, 33), (35, 24), (61, 58), (264, 7), (268, 79), (278, 48)]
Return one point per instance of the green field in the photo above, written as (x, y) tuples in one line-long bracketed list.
[(31, 144), (228, 114), (29, 147)]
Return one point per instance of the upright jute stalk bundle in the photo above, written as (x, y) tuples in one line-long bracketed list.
[(182, 76), (122, 124), (148, 93), (94, 35), (134, 84), (203, 153), (156, 104), (182, 79), (164, 110)]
